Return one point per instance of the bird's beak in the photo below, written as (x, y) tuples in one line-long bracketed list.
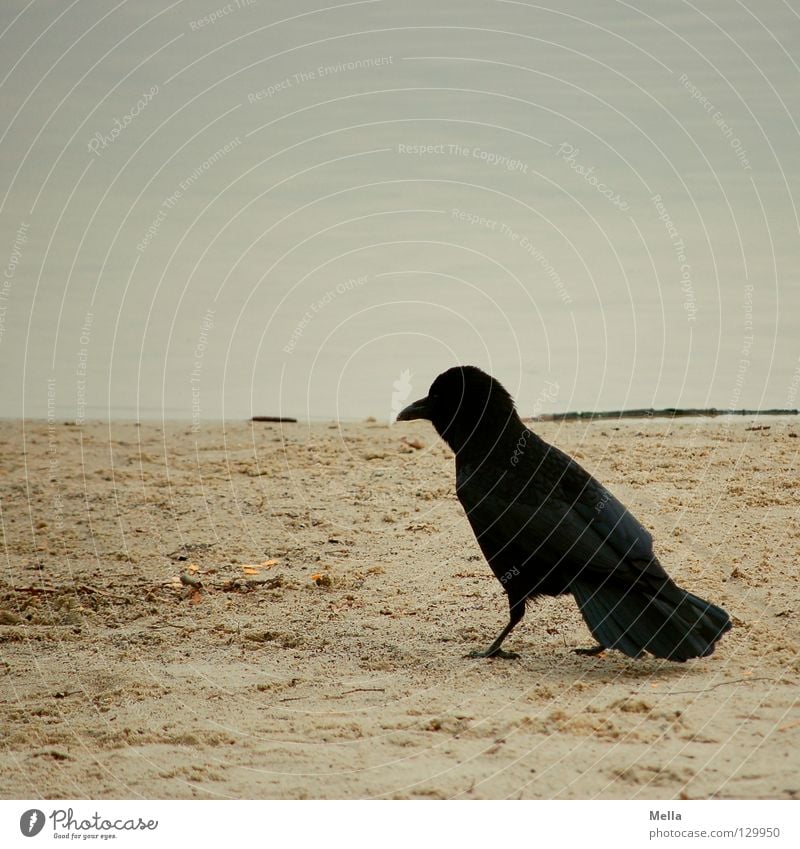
[(418, 410)]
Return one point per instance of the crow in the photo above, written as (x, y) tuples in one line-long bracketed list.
[(547, 527)]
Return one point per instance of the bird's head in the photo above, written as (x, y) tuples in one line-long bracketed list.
[(465, 403)]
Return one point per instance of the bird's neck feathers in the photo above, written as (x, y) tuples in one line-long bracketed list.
[(495, 428)]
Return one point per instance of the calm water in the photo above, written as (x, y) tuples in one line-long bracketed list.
[(274, 207)]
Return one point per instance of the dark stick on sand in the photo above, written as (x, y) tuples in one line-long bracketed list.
[(650, 413), (276, 419)]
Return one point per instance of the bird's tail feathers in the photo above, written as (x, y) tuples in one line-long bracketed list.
[(666, 621)]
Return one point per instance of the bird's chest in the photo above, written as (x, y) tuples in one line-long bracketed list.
[(499, 507), (477, 485), (513, 520), (490, 488)]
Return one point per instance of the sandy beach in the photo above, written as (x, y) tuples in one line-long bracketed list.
[(315, 646)]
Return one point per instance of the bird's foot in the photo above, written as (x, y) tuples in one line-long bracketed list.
[(493, 652), (592, 652)]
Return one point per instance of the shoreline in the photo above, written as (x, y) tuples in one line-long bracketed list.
[(664, 413), (647, 413)]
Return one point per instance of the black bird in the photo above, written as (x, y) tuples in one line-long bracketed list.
[(547, 527)]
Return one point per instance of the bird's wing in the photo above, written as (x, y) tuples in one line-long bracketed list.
[(559, 516)]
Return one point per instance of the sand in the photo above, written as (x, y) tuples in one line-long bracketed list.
[(323, 655)]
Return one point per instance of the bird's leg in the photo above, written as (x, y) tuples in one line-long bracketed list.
[(592, 652), (517, 610)]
